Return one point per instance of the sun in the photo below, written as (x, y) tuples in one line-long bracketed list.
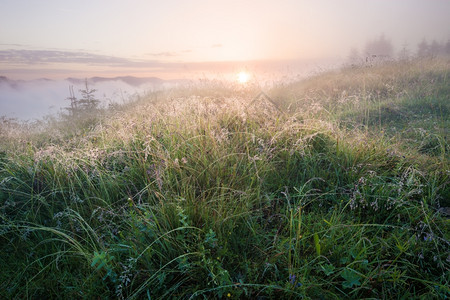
[(243, 77)]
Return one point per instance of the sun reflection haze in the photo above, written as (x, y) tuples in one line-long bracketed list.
[(243, 77)]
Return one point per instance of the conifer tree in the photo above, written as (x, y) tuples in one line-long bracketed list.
[(88, 102), (86, 105)]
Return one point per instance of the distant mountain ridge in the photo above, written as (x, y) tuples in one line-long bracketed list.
[(12, 83), (36, 98), (130, 80)]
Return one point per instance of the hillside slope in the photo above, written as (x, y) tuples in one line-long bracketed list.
[(333, 187)]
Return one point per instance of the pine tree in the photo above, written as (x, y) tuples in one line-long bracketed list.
[(354, 58), (423, 49), (380, 47), (73, 108), (84, 106), (88, 102)]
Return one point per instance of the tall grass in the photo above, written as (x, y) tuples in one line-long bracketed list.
[(338, 191)]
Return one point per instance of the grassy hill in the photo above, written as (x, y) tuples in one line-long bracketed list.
[(331, 187)]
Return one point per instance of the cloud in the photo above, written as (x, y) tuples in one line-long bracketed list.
[(166, 54), (170, 53), (13, 45), (43, 57), (14, 58)]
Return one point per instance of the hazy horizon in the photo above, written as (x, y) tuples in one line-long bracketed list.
[(178, 39), (171, 71), (196, 40), (28, 98)]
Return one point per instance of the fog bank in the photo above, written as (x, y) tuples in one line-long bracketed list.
[(35, 99)]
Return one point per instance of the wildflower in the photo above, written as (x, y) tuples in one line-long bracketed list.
[(374, 205), (428, 237), (229, 295), (75, 198), (292, 278), (293, 281)]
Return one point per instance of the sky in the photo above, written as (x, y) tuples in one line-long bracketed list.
[(59, 39)]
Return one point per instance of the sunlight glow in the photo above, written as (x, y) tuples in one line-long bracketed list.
[(243, 77)]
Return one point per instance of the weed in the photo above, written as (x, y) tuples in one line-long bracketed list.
[(332, 187)]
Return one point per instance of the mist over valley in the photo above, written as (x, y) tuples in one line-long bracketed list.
[(35, 99), (199, 149)]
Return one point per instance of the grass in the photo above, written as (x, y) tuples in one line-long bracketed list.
[(340, 191)]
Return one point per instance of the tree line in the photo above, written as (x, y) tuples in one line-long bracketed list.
[(381, 49)]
